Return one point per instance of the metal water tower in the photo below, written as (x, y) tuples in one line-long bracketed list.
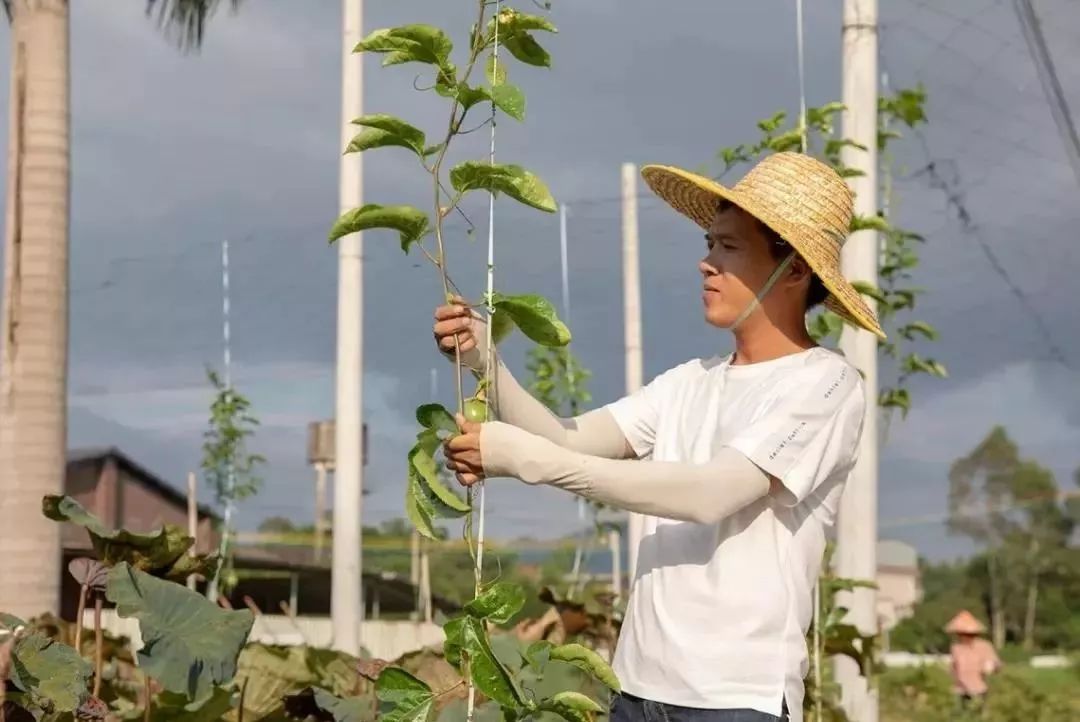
[(320, 455)]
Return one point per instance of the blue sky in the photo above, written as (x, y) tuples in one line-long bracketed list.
[(171, 154)]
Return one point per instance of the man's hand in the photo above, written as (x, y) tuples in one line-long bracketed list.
[(452, 321), (463, 454)]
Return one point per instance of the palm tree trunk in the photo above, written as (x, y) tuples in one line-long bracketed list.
[(34, 321)]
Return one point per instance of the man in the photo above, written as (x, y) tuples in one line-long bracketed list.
[(747, 454), (972, 660)]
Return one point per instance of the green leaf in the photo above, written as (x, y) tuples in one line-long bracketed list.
[(409, 44), (499, 602), (455, 641), (173, 707), (514, 34), (272, 672), (538, 653), (501, 327), (437, 418), (525, 48), (407, 699), (909, 331), (588, 660), (387, 130), (317, 703), (410, 222), (895, 398), (509, 99), (869, 289), (190, 644), (513, 180), (571, 706), (156, 552), (876, 223), (487, 672), (495, 71), (535, 316), (49, 672), (423, 464), (418, 508)]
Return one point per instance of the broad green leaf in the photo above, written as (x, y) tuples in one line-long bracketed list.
[(455, 640), (514, 30), (418, 507), (410, 222), (405, 698), (513, 180), (409, 44), (895, 398), (423, 464), (273, 672), (495, 71), (538, 653), (499, 602), (383, 130), (190, 644), (174, 707), (588, 660), (869, 289), (922, 328), (49, 672), (186, 565), (317, 703), (501, 327), (509, 99), (514, 21), (155, 552), (525, 48), (571, 706), (535, 316), (487, 672), (437, 417), (876, 223)]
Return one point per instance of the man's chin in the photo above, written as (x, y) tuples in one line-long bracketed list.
[(718, 320)]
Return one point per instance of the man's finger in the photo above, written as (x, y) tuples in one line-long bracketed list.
[(462, 442), (467, 479), (445, 313), (450, 326), (447, 343)]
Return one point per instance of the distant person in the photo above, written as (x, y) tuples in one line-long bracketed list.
[(737, 460), (972, 659)]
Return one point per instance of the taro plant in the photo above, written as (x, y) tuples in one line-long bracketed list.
[(498, 32), (190, 646)]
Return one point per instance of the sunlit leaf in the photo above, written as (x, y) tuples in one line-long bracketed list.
[(509, 99), (487, 672), (418, 508), (571, 706), (48, 672), (876, 223), (436, 417), (387, 130), (869, 289), (190, 644), (588, 660), (495, 71), (448, 504), (454, 630), (410, 222), (405, 698), (513, 180), (498, 603), (501, 327), (409, 44), (535, 316)]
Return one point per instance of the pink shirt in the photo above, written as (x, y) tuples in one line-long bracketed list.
[(971, 662)]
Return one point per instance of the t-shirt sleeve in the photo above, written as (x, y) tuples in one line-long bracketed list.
[(809, 431), (638, 414)]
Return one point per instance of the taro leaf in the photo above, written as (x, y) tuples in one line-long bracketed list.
[(409, 44), (318, 704), (535, 316), (405, 698), (588, 660), (487, 672), (571, 706), (444, 501), (513, 180), (173, 707), (49, 671), (152, 552), (499, 602), (386, 130), (418, 508), (90, 572), (435, 416), (410, 222), (189, 643), (273, 672), (455, 641)]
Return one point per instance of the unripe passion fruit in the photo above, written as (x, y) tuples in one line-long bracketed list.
[(475, 410)]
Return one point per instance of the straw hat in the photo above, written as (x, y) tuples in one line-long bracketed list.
[(965, 623), (799, 197)]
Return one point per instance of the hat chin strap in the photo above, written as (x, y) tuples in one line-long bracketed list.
[(752, 306)]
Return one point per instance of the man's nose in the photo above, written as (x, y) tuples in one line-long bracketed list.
[(707, 269)]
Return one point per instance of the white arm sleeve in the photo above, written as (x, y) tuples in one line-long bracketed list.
[(595, 433), (702, 493)]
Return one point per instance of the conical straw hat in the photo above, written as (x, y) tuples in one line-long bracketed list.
[(799, 197), (965, 623)]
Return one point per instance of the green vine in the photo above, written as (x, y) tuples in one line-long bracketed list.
[(493, 35)]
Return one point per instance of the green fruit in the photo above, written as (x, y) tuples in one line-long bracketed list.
[(475, 410)]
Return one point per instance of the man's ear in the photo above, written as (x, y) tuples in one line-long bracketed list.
[(799, 271)]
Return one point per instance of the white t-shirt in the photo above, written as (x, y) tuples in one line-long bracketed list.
[(718, 613)]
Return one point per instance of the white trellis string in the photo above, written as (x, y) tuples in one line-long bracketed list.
[(489, 362)]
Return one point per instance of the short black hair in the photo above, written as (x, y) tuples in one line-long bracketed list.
[(780, 249)]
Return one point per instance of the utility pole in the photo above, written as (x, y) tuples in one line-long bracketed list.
[(632, 321), (346, 597), (856, 555)]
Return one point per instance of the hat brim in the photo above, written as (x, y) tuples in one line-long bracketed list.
[(696, 198)]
